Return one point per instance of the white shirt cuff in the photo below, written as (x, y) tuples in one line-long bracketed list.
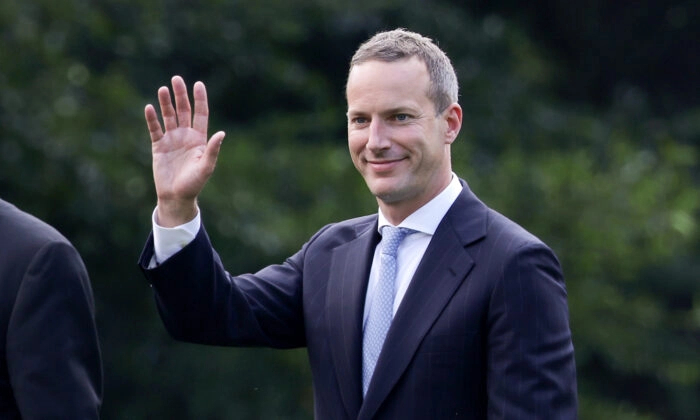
[(169, 241)]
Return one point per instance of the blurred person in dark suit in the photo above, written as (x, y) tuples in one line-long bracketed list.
[(50, 358), (434, 307)]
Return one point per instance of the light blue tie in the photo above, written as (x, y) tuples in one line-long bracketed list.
[(381, 309)]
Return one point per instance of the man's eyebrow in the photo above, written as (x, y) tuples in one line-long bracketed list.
[(404, 109), (399, 110)]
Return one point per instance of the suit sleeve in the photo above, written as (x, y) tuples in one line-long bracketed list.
[(53, 352), (531, 370), (200, 302)]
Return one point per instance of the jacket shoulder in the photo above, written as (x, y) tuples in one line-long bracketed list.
[(336, 234), (510, 231)]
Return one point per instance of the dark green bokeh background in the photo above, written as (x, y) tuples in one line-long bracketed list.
[(582, 123)]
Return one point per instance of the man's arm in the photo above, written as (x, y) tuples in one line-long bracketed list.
[(531, 372), (53, 354), (200, 302)]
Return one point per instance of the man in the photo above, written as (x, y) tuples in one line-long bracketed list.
[(50, 357), (474, 322)]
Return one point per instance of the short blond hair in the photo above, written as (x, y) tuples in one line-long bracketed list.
[(400, 44)]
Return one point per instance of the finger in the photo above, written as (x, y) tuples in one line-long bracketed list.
[(212, 151), (166, 108), (154, 128), (182, 102), (201, 108)]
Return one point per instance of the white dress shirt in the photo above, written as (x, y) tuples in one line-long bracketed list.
[(424, 221), (168, 241)]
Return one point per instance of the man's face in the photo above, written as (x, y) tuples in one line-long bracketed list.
[(396, 141)]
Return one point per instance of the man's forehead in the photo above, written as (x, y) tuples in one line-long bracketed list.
[(385, 74), (403, 60)]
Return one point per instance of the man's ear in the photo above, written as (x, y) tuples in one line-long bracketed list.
[(453, 122)]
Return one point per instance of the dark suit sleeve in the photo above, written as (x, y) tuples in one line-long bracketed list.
[(200, 302), (53, 353), (531, 371)]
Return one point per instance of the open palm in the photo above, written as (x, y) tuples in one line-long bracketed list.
[(183, 159)]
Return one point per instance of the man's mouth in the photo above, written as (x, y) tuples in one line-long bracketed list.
[(384, 165)]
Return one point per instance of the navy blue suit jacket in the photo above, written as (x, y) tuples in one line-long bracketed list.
[(482, 331), (50, 362)]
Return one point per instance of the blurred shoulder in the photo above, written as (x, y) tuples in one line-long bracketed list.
[(23, 232)]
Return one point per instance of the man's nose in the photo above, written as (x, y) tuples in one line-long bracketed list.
[(378, 135)]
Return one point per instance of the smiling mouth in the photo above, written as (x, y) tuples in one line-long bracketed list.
[(384, 165)]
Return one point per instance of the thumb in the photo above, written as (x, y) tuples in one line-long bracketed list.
[(211, 153)]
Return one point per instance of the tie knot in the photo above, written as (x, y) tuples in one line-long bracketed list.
[(392, 237)]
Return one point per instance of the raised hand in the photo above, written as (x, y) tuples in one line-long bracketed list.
[(183, 159)]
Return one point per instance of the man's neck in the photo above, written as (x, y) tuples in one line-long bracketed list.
[(395, 213)]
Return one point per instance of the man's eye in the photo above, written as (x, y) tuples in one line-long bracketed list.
[(401, 117), (359, 120)]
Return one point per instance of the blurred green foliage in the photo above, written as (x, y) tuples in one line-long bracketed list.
[(564, 131)]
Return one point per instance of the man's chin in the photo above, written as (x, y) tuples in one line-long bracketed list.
[(387, 189), (388, 196)]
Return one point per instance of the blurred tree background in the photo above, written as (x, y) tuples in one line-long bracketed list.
[(582, 123)]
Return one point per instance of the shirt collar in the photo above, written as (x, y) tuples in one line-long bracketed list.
[(427, 218)]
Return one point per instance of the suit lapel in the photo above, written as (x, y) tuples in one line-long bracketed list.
[(444, 267), (350, 266)]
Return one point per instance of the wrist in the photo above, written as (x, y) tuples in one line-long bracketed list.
[(171, 213)]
